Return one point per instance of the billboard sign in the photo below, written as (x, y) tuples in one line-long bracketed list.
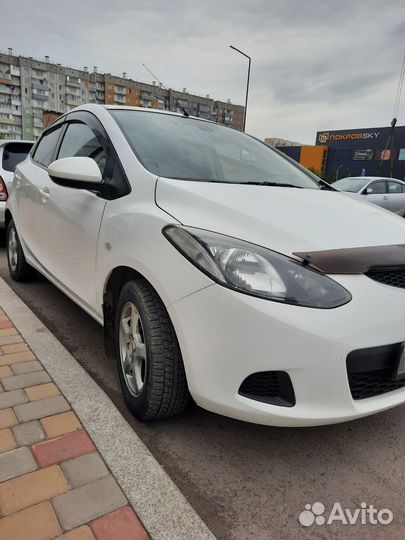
[(361, 155), (324, 137)]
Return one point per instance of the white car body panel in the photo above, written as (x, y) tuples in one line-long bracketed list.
[(77, 239), (258, 214)]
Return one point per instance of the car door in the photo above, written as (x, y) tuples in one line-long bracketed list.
[(32, 186), (376, 193), (74, 215), (396, 197)]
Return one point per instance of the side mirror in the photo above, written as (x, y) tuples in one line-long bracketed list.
[(76, 172), (368, 191)]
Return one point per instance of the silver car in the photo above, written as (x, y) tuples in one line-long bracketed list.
[(386, 192), (12, 152)]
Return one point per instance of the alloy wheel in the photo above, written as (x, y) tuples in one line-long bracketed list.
[(12, 247), (133, 352)]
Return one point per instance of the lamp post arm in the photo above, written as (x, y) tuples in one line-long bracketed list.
[(247, 83)]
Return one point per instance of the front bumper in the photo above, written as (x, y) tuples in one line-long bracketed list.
[(225, 336)]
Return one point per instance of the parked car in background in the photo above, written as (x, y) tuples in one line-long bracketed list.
[(12, 152), (217, 266), (386, 192)]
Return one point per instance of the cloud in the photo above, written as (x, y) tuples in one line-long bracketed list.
[(317, 64)]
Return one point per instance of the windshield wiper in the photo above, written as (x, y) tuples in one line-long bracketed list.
[(267, 183), (326, 186)]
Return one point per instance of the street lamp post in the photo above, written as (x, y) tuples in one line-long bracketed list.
[(247, 83)]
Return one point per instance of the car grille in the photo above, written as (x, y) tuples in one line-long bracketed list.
[(372, 372), (272, 387), (373, 383), (389, 276)]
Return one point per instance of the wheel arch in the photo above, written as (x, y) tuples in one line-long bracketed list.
[(7, 217), (113, 285)]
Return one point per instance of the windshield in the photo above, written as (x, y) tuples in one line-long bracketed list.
[(350, 184), (189, 149)]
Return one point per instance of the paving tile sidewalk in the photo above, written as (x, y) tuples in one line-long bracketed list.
[(53, 481)]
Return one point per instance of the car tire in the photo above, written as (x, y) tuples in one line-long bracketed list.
[(149, 361), (18, 267)]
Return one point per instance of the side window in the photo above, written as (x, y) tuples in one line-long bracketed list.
[(44, 152), (395, 187), (80, 141), (13, 154), (378, 187)]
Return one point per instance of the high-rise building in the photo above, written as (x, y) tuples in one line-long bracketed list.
[(29, 87)]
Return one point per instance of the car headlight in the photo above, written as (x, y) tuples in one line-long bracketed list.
[(255, 270)]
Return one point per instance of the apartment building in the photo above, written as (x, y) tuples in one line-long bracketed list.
[(28, 87)]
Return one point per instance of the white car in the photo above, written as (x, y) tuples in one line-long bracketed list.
[(219, 268), (12, 152), (386, 192)]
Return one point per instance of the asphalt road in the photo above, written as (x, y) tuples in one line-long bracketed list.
[(248, 481)]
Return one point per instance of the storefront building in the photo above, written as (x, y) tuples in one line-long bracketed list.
[(354, 152)]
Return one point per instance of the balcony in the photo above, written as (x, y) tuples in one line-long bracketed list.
[(5, 78), (8, 121), (120, 100), (73, 100), (4, 89), (73, 84), (37, 76), (38, 86), (5, 131), (40, 97)]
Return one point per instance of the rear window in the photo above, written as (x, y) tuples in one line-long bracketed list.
[(13, 154)]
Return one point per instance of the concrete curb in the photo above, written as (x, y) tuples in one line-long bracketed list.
[(163, 509)]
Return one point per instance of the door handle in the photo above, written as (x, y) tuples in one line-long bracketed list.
[(385, 198), (44, 194)]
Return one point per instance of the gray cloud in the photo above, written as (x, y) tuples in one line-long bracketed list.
[(317, 64)]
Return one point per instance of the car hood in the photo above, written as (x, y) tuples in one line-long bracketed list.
[(282, 219)]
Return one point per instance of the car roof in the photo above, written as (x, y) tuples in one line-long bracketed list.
[(93, 107), (369, 178)]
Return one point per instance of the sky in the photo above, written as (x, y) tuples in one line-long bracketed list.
[(316, 64)]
